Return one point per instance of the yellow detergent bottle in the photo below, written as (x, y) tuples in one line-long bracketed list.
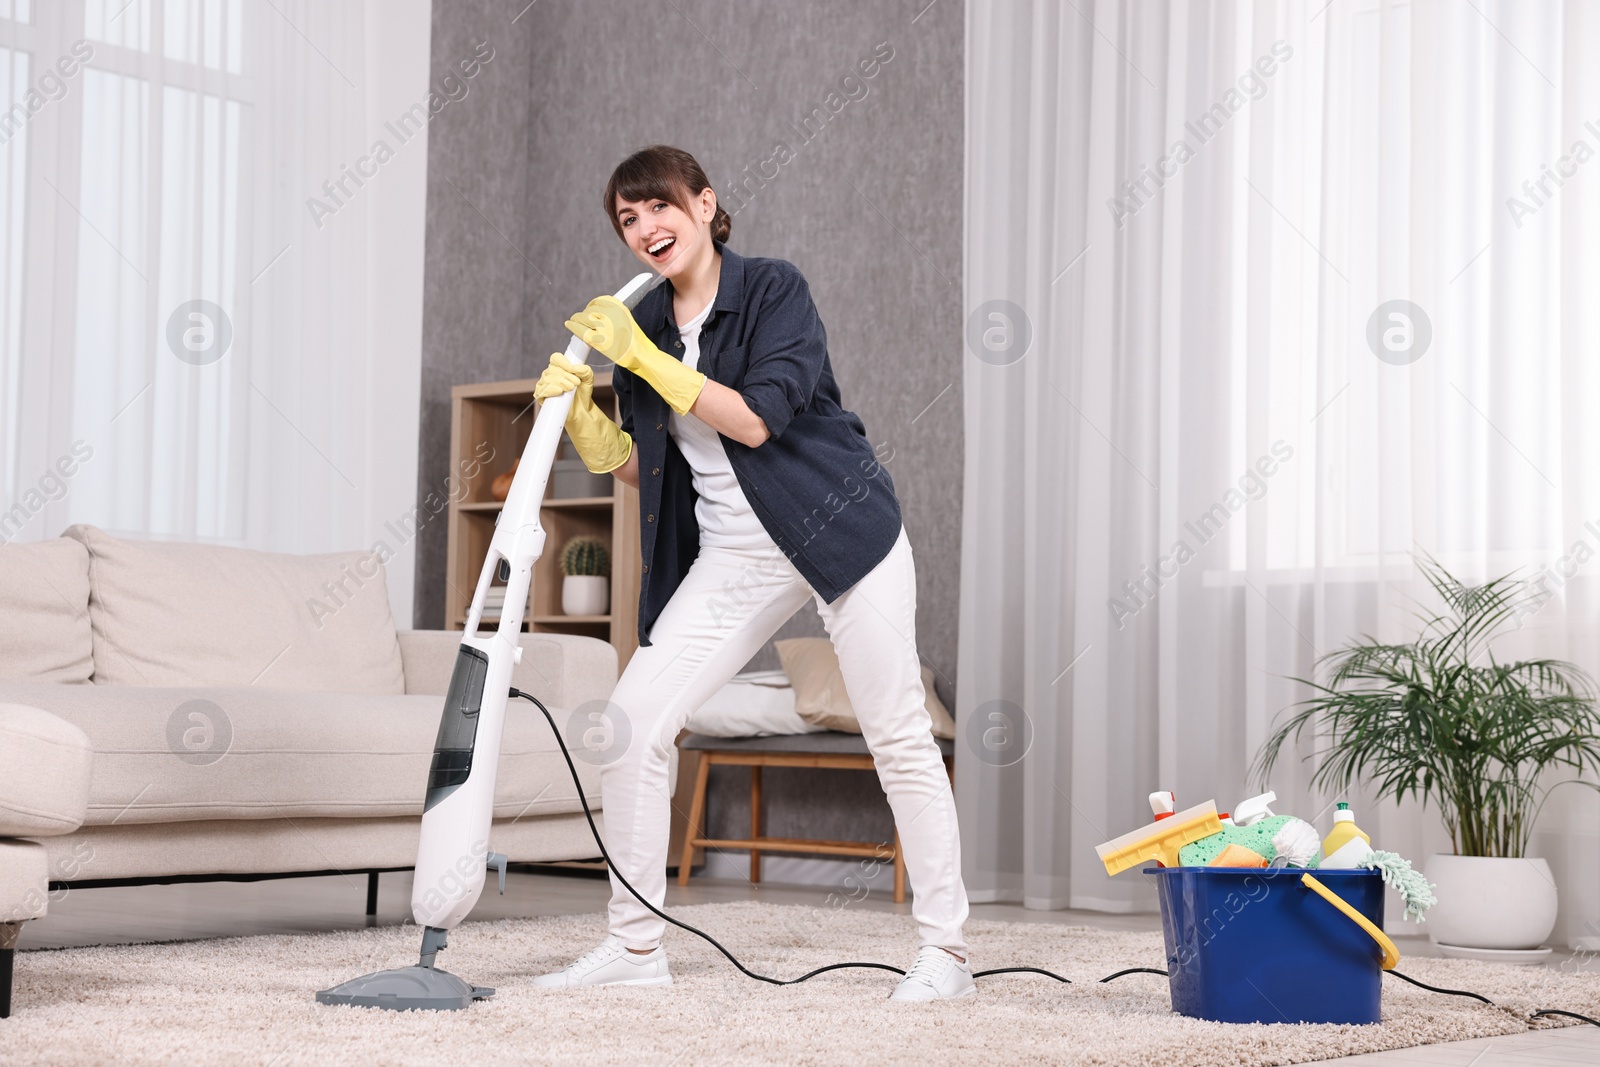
[(1344, 830)]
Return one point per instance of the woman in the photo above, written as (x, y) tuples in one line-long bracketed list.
[(757, 491)]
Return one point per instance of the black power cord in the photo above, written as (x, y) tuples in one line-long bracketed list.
[(747, 972), (680, 924), (1135, 970), (1568, 1014), (713, 942), (1480, 997), (1436, 989)]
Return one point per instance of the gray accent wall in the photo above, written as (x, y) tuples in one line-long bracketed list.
[(866, 201), (869, 207)]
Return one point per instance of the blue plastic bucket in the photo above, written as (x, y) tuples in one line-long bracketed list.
[(1253, 945)]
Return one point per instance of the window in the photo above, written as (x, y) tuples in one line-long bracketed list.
[(126, 188)]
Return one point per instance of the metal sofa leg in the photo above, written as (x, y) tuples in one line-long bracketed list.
[(8, 952), (372, 894)]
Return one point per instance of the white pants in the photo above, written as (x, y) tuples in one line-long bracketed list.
[(730, 604)]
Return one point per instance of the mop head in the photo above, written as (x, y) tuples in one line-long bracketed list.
[(1281, 839), (1413, 888), (406, 989)]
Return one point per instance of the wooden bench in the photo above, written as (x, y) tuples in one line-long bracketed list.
[(828, 750)]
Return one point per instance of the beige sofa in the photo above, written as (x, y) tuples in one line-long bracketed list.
[(177, 710)]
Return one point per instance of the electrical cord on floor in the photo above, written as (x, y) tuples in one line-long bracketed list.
[(657, 912), (1436, 989), (1021, 970), (1568, 1014), (1480, 997), (1135, 970), (747, 972), (713, 942)]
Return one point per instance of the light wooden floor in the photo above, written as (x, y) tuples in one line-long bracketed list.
[(309, 905)]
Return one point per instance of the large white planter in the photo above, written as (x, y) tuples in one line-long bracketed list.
[(1493, 903), (586, 594)]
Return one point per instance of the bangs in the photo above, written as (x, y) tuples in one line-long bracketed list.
[(636, 180)]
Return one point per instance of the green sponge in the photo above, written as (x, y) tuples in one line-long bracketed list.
[(1257, 838)]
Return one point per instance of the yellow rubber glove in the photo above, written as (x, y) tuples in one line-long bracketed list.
[(607, 326), (602, 444)]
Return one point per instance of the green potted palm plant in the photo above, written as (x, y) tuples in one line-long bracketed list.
[(1441, 720)]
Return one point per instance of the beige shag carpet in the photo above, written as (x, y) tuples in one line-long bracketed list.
[(250, 1001)]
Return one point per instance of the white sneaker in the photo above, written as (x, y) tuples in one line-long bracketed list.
[(610, 964), (936, 975)]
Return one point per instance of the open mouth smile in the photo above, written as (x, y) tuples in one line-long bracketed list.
[(662, 248)]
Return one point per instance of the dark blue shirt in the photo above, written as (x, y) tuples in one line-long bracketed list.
[(815, 484)]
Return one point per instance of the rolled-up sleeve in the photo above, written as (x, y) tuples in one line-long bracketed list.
[(785, 352)]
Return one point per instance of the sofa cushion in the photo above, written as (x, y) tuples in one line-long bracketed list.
[(44, 628), (173, 614), (44, 771), (256, 846), (175, 755)]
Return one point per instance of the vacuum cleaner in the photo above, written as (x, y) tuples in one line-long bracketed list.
[(453, 853)]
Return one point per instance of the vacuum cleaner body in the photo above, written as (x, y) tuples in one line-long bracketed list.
[(454, 851), (460, 791)]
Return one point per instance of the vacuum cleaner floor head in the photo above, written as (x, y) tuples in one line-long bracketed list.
[(405, 988)]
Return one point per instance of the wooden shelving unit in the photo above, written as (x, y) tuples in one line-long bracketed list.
[(500, 415)]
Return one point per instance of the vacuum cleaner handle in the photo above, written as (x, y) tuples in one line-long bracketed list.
[(458, 809)]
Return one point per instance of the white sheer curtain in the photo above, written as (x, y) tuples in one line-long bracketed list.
[(1181, 223), (189, 350)]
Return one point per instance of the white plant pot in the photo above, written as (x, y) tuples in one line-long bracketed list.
[(585, 594), (1490, 902)]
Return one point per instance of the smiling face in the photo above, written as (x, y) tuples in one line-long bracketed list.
[(663, 235)]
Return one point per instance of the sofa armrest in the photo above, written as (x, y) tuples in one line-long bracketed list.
[(562, 670), (45, 762)]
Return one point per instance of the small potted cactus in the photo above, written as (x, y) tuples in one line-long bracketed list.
[(586, 589)]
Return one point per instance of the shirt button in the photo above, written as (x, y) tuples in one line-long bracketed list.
[(647, 568), (655, 470), (650, 518), (659, 425), (677, 344)]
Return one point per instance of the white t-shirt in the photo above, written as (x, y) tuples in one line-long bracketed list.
[(723, 511)]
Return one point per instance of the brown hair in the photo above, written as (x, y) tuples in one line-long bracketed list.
[(662, 172)]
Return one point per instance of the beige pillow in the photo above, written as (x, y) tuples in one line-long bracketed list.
[(44, 612), (167, 613), (819, 692)]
